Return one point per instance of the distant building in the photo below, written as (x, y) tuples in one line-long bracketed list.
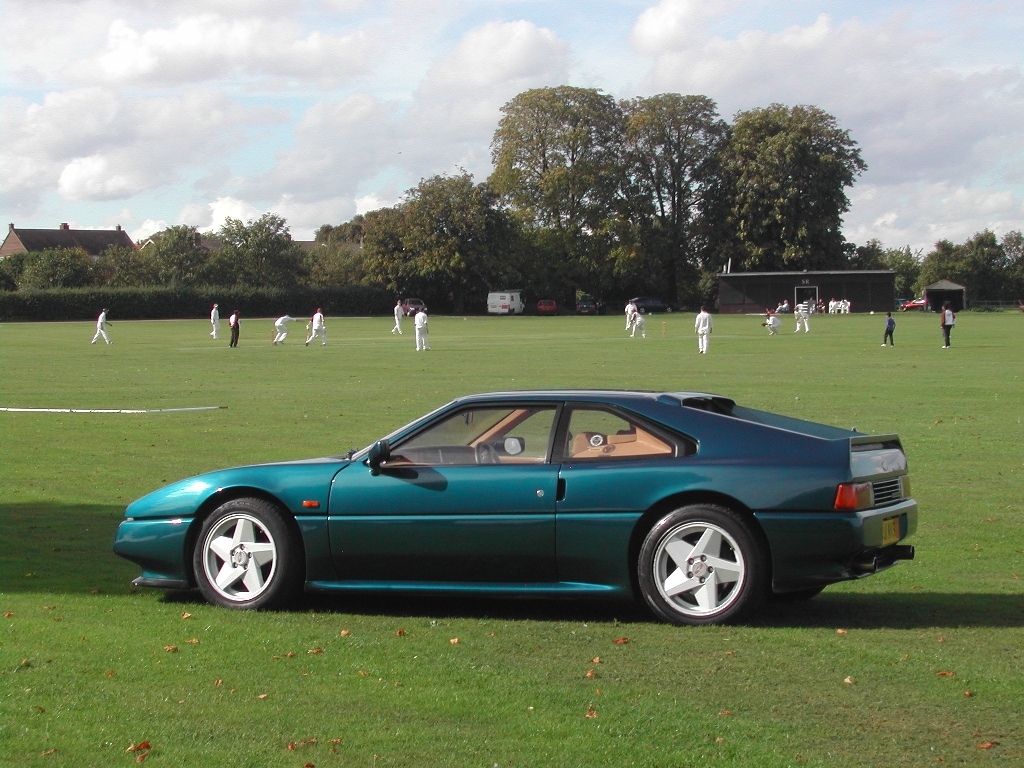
[(92, 241), (939, 293), (754, 292)]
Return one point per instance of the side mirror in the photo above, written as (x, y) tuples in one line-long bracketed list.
[(377, 455), (514, 445)]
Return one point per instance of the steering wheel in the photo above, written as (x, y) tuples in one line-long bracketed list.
[(485, 454)]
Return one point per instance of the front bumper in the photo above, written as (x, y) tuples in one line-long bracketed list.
[(814, 549), (158, 547)]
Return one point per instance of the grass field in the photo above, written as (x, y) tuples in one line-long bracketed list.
[(84, 665)]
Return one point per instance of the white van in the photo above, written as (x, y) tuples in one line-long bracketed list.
[(508, 302)]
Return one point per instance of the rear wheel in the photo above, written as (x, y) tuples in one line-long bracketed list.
[(246, 557), (701, 564)]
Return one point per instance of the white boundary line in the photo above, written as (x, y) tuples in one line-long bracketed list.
[(112, 410)]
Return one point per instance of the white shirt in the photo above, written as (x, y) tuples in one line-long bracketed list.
[(630, 309), (421, 321), (215, 315), (801, 309), (318, 320), (101, 321), (399, 312), (233, 320), (703, 323), (282, 320), (774, 321), (948, 318)]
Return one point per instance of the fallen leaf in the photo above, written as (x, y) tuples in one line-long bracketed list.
[(596, 660), (263, 696), (986, 744), (334, 741), (945, 674), (725, 712), (842, 632), (315, 651), (598, 691), (290, 655), (95, 591), (193, 641), (975, 547), (110, 673), (591, 712), (968, 694), (942, 639), (916, 587), (133, 747), (308, 765), (990, 519), (730, 653), (399, 632), (41, 709), (397, 683), (621, 640), (217, 683), (49, 751), (171, 648), (848, 681), (141, 756), (1015, 575), (186, 615), (363, 673), (491, 634), (719, 740), (7, 616), (590, 673), (454, 641), (293, 745), (345, 632)]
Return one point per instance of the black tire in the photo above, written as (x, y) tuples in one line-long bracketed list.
[(266, 573), (722, 543)]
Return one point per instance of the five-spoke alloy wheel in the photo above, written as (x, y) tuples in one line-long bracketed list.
[(246, 557), (702, 565)]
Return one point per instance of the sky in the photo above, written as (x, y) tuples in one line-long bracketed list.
[(148, 113)]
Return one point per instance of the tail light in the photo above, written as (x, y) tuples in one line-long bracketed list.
[(853, 496)]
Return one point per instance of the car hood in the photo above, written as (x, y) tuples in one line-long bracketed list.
[(290, 482)]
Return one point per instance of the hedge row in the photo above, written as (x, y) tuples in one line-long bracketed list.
[(160, 303)]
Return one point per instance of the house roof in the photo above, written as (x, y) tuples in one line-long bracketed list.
[(92, 241), (945, 285)]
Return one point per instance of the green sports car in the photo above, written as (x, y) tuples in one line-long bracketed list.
[(698, 506)]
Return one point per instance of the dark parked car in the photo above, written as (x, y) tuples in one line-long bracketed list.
[(589, 307), (699, 506), (547, 307), (648, 304), (412, 306)]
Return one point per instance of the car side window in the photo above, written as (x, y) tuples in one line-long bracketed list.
[(595, 433), (505, 435)]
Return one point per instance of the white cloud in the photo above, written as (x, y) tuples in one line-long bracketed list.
[(372, 202), (211, 216), (147, 228)]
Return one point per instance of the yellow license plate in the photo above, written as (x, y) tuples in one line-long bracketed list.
[(890, 531)]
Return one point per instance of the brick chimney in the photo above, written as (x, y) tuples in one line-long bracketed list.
[(118, 227), (10, 227), (64, 225)]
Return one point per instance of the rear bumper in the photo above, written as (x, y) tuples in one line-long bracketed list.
[(814, 549)]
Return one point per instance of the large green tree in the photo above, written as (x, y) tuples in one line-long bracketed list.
[(122, 266), (980, 265), (789, 168), (178, 256), (874, 255), (673, 148), (258, 253), (557, 163), (57, 268)]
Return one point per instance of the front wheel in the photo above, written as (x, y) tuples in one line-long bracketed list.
[(246, 558), (701, 564)]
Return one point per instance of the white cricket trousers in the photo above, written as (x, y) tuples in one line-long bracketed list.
[(702, 341), (100, 332), (805, 321), (216, 328), (282, 333), (421, 339), (322, 333), (398, 326)]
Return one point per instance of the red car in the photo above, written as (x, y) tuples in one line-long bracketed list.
[(412, 306), (914, 304), (547, 307)]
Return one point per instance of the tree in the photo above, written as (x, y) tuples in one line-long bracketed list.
[(979, 264), (448, 239), (258, 253), (789, 168), (178, 257), (672, 149), (556, 155), (123, 267), (873, 255), (1013, 247), (57, 268)]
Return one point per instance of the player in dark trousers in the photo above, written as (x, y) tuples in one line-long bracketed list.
[(234, 321), (890, 326), (948, 321)]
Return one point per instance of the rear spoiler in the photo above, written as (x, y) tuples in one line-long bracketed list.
[(875, 443)]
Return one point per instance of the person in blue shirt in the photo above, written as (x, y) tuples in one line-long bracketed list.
[(890, 326)]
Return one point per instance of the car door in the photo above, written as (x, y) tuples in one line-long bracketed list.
[(468, 498), (610, 459)]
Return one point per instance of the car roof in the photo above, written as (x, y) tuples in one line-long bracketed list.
[(593, 395)]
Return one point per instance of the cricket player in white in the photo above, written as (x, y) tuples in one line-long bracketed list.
[(101, 328), (215, 321), (802, 315), (772, 323), (318, 328), (281, 328), (630, 314), (399, 314), (420, 323), (702, 326), (639, 324)]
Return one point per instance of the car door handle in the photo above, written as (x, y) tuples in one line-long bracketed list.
[(560, 496)]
